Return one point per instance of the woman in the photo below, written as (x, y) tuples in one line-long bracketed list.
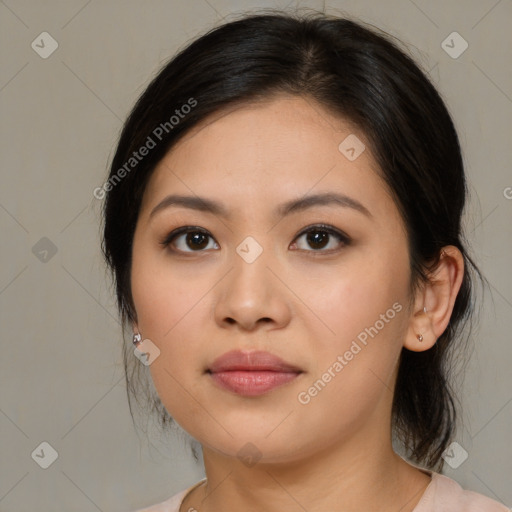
[(283, 223)]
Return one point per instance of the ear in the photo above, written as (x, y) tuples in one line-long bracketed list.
[(433, 304)]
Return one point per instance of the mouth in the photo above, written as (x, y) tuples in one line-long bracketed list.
[(252, 383), (251, 373)]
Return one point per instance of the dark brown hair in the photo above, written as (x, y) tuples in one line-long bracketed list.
[(363, 76)]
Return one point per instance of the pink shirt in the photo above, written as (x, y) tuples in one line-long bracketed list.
[(442, 495)]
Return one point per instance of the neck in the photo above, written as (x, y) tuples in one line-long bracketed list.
[(347, 476)]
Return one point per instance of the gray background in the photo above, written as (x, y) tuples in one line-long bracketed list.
[(61, 372)]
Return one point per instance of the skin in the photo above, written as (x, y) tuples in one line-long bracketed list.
[(302, 302)]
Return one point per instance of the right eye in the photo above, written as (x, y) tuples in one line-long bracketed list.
[(195, 238)]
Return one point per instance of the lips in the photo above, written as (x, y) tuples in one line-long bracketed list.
[(251, 373), (251, 361)]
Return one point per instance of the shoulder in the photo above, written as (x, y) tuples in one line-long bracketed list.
[(445, 495), (172, 504)]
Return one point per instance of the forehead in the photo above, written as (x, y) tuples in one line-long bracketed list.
[(283, 128), (258, 154)]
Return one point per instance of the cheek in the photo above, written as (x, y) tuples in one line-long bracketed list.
[(359, 339), (161, 297), (354, 297), (352, 370), (170, 314), (166, 304)]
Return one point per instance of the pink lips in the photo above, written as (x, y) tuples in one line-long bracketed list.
[(251, 373)]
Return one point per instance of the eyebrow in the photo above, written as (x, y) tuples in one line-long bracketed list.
[(204, 204)]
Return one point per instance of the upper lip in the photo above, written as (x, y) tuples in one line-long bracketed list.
[(251, 361)]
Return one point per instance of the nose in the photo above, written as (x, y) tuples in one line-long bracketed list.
[(251, 295)]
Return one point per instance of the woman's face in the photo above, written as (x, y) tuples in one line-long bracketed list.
[(260, 277)]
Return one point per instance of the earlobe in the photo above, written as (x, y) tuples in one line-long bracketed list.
[(434, 304), (136, 335), (420, 335)]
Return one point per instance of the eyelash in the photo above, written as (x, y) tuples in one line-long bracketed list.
[(314, 228)]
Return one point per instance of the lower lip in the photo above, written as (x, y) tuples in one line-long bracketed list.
[(252, 383)]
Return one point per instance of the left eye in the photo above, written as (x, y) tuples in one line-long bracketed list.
[(318, 237)]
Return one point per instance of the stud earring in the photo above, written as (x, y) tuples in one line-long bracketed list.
[(136, 338), (424, 309)]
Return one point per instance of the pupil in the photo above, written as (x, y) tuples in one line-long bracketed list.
[(194, 237), (314, 239)]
